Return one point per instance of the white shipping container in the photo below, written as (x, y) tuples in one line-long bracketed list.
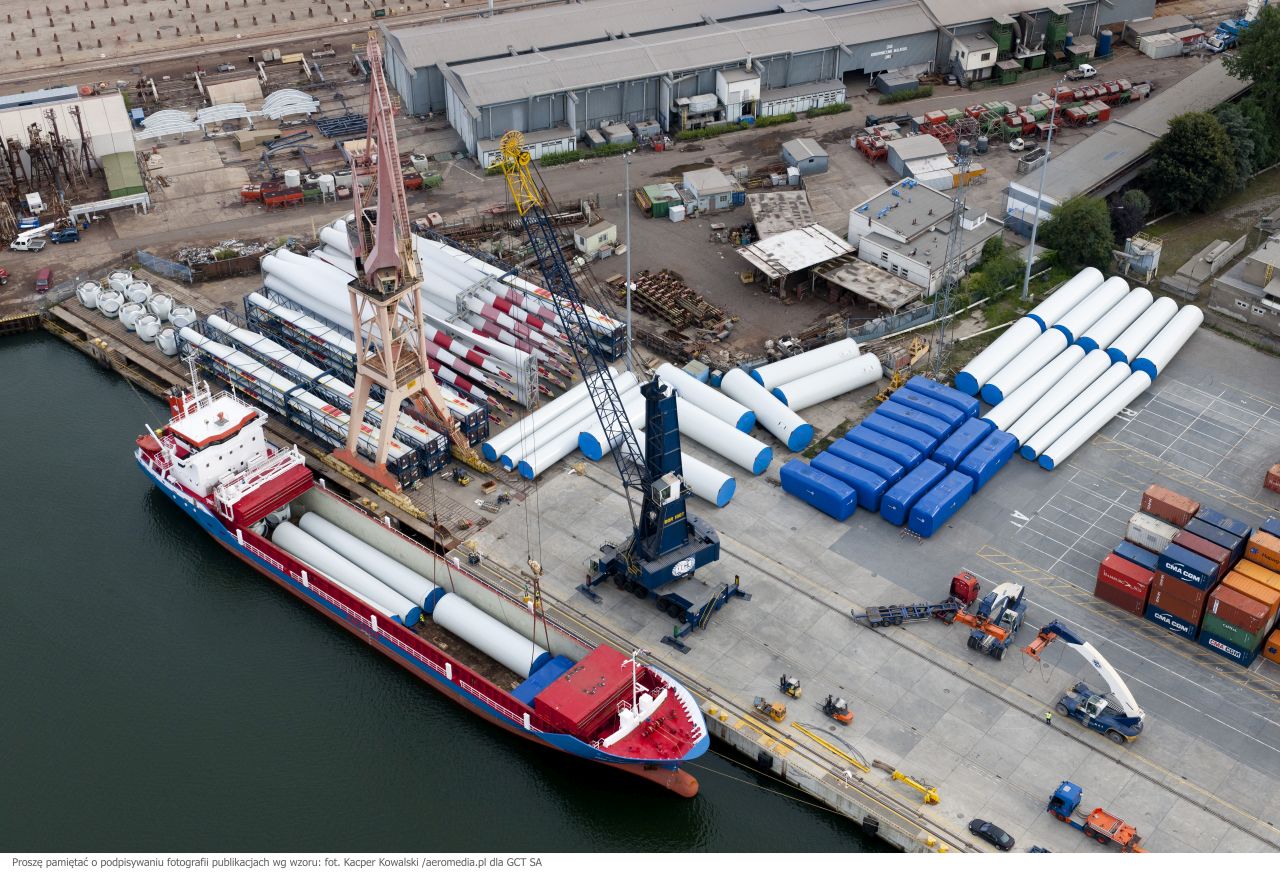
[(1150, 532)]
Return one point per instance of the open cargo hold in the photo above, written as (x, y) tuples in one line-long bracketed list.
[(1149, 532), (917, 420), (1168, 505), (966, 438), (938, 504), (1172, 622), (943, 393), (881, 444), (897, 502), (869, 485), (885, 467), (1217, 536), (1215, 553), (1191, 568), (823, 492), (987, 458), (1264, 549), (1180, 598), (900, 432), (1135, 554), (953, 416)]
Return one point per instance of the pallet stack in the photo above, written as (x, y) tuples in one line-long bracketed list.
[(1199, 574)]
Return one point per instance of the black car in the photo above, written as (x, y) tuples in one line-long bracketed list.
[(992, 833)]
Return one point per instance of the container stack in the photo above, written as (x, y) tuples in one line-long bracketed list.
[(1199, 574)]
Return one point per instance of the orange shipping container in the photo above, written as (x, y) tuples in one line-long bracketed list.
[(1264, 549), (1253, 589), (1271, 649), (1174, 508), (1257, 572)]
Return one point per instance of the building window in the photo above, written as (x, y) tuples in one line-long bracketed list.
[(986, 56), (1242, 304), (884, 257), (1259, 311)]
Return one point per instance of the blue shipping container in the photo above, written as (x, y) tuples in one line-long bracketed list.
[(1217, 536), (940, 503), (1170, 622), (821, 491), (985, 461), (917, 439), (1187, 566), (1227, 650), (930, 406), (869, 485), (943, 393), (882, 444), (961, 442), (1271, 526), (1231, 525), (883, 466), (1137, 555), (917, 420), (896, 504)]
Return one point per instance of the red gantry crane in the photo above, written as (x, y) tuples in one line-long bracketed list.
[(386, 294)]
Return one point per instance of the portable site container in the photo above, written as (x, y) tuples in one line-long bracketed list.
[(1249, 586), (1180, 598), (917, 439), (898, 501), (1172, 622), (823, 492), (939, 503), (935, 117), (1264, 549), (1218, 536), (1204, 548), (966, 438), (1119, 598), (882, 466), (1125, 575), (944, 394), (881, 444), (1191, 568), (988, 457), (1222, 522), (1137, 555), (1168, 505), (870, 487), (953, 416), (1149, 532), (917, 420)]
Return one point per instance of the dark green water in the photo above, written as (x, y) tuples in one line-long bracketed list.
[(160, 695)]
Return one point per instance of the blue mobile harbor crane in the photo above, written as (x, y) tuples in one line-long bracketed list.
[(667, 543), (1115, 714)]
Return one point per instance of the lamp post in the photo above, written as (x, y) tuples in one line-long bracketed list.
[(627, 156), (1035, 221)]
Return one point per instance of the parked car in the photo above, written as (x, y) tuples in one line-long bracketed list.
[(226, 68), (64, 236), (1017, 145), (989, 831), (44, 279), (33, 245), (1084, 71)]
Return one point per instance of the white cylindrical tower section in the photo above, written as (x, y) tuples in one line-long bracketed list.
[(1095, 419), (771, 414), (703, 479), (408, 582), (1066, 297), (710, 400), (591, 438), (1108, 327), (1131, 342), (997, 355), (1056, 398), (1161, 349), (1016, 404), (1075, 410), (567, 420), (1076, 321), (830, 382), (774, 374), (1037, 355), (746, 451), (514, 651), (500, 443)]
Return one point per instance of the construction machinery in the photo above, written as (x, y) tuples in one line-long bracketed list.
[(774, 710), (838, 710), (789, 685), (997, 619), (1115, 714), (386, 297), (1103, 827), (667, 543)]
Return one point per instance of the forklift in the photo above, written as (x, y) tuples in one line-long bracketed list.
[(774, 710), (838, 710), (789, 685)]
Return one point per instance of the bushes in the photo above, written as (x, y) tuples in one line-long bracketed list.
[(829, 110), (567, 158), (780, 119), (711, 131), (920, 91)]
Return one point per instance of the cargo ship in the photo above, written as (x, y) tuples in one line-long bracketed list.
[(490, 651)]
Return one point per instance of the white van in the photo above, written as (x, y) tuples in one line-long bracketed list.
[(34, 245), (1084, 71)]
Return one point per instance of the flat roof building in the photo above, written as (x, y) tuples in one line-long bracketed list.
[(1250, 291)]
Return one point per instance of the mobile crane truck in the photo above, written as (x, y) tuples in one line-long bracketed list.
[(1116, 714)]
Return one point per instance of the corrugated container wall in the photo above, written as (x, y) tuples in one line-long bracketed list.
[(1149, 532), (1168, 505)]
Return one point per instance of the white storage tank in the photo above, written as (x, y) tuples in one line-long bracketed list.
[(1076, 409), (830, 382), (1060, 395), (293, 178), (1066, 297), (1078, 320), (328, 186), (1108, 328), (1023, 366)]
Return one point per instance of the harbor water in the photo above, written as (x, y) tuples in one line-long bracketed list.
[(160, 695)]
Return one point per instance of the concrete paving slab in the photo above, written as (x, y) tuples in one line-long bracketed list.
[(1017, 732), (918, 713), (1143, 803), (979, 709), (1248, 790), (892, 737), (1186, 827)]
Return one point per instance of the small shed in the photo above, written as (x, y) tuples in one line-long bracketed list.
[(908, 149), (710, 188), (237, 91), (590, 240), (805, 153), (617, 134)]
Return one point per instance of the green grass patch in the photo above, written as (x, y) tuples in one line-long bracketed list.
[(600, 152), (910, 94), (816, 448), (780, 119), (833, 109)]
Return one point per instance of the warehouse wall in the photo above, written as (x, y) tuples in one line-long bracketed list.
[(1126, 10)]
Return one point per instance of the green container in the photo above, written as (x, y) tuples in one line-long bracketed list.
[(995, 106), (660, 209), (1009, 106), (1230, 633), (1035, 62), (1038, 111), (953, 115), (1003, 35)]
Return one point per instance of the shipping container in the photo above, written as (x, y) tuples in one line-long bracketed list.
[(1118, 597), (935, 427), (869, 485), (941, 501), (1271, 649), (1168, 505), (1215, 553), (1232, 634), (1186, 565), (943, 393), (1271, 481), (1171, 622), (1136, 555), (1230, 542), (1240, 610), (885, 467), (917, 439), (985, 461), (1264, 549), (1228, 651), (1269, 578), (896, 504), (953, 416), (821, 491), (1125, 575), (1180, 598), (1222, 522), (1254, 589), (1271, 526), (966, 438), (881, 444), (1149, 532)]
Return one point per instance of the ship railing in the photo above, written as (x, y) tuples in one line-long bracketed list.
[(509, 714), (261, 554)]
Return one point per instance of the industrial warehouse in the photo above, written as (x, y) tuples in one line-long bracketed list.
[(560, 75)]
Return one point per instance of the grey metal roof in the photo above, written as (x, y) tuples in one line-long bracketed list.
[(952, 12), (918, 147), (794, 250), (907, 210), (870, 282), (1163, 24), (803, 148), (775, 212)]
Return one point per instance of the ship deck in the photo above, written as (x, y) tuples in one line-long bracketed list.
[(466, 654)]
